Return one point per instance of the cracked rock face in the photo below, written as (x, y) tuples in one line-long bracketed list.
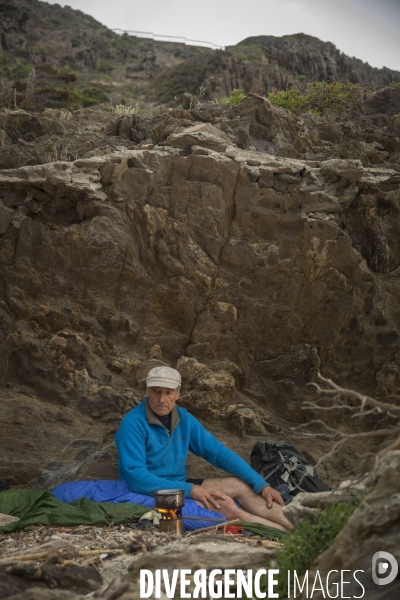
[(249, 269)]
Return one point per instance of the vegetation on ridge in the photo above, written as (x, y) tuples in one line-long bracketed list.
[(319, 95), (233, 99), (115, 69), (308, 540)]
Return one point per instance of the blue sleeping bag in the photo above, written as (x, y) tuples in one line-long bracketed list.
[(118, 491)]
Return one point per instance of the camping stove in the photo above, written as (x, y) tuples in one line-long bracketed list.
[(169, 504)]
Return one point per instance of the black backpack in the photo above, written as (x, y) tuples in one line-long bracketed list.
[(286, 469), (4, 485)]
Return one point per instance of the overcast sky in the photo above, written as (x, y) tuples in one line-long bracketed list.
[(366, 29)]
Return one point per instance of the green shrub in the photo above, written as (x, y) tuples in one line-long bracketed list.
[(20, 70), (290, 99), (5, 8), (308, 540), (320, 94), (72, 98), (338, 95), (32, 37), (106, 67), (187, 76), (92, 95), (250, 52), (47, 74), (234, 98), (92, 22)]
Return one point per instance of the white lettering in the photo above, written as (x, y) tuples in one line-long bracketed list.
[(305, 583), (228, 582), (244, 585), (320, 589), (215, 587), (200, 579), (157, 583), (272, 582), (184, 583), (258, 593), (146, 574), (359, 582), (170, 587), (342, 582), (328, 585)]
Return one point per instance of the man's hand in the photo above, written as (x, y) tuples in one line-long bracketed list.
[(271, 495), (207, 496)]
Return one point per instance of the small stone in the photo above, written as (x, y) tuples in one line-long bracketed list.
[(6, 217)]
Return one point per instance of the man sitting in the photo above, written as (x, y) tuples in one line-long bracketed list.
[(153, 442)]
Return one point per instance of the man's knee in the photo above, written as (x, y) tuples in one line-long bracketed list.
[(240, 487), (232, 486), (229, 508), (228, 503)]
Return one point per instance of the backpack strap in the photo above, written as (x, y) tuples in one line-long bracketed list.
[(274, 470)]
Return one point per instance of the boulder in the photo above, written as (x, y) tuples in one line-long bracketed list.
[(346, 169), (204, 135)]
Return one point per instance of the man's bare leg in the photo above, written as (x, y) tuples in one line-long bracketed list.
[(253, 505), (232, 511)]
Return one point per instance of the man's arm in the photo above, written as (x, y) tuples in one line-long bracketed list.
[(204, 444), (131, 446)]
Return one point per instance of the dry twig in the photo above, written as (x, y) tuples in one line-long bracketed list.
[(366, 406)]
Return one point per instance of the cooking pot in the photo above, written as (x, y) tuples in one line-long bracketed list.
[(169, 499)]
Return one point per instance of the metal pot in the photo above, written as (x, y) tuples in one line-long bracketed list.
[(169, 499)]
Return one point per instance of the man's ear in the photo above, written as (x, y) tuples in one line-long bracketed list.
[(179, 393)]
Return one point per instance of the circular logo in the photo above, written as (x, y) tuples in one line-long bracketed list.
[(381, 561)]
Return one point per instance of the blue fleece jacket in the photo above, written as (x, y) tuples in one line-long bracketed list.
[(151, 459)]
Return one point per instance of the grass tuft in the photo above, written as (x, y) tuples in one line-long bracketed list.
[(309, 540), (120, 109)]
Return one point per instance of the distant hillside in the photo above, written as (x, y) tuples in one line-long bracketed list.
[(59, 57), (106, 68)]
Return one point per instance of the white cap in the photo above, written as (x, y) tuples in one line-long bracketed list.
[(163, 377)]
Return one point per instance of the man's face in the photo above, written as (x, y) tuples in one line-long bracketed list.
[(162, 400)]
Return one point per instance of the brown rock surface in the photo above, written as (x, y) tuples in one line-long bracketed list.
[(249, 268)]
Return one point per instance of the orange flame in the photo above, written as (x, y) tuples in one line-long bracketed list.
[(167, 514)]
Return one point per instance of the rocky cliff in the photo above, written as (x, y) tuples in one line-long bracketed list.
[(59, 57), (267, 63), (246, 245)]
